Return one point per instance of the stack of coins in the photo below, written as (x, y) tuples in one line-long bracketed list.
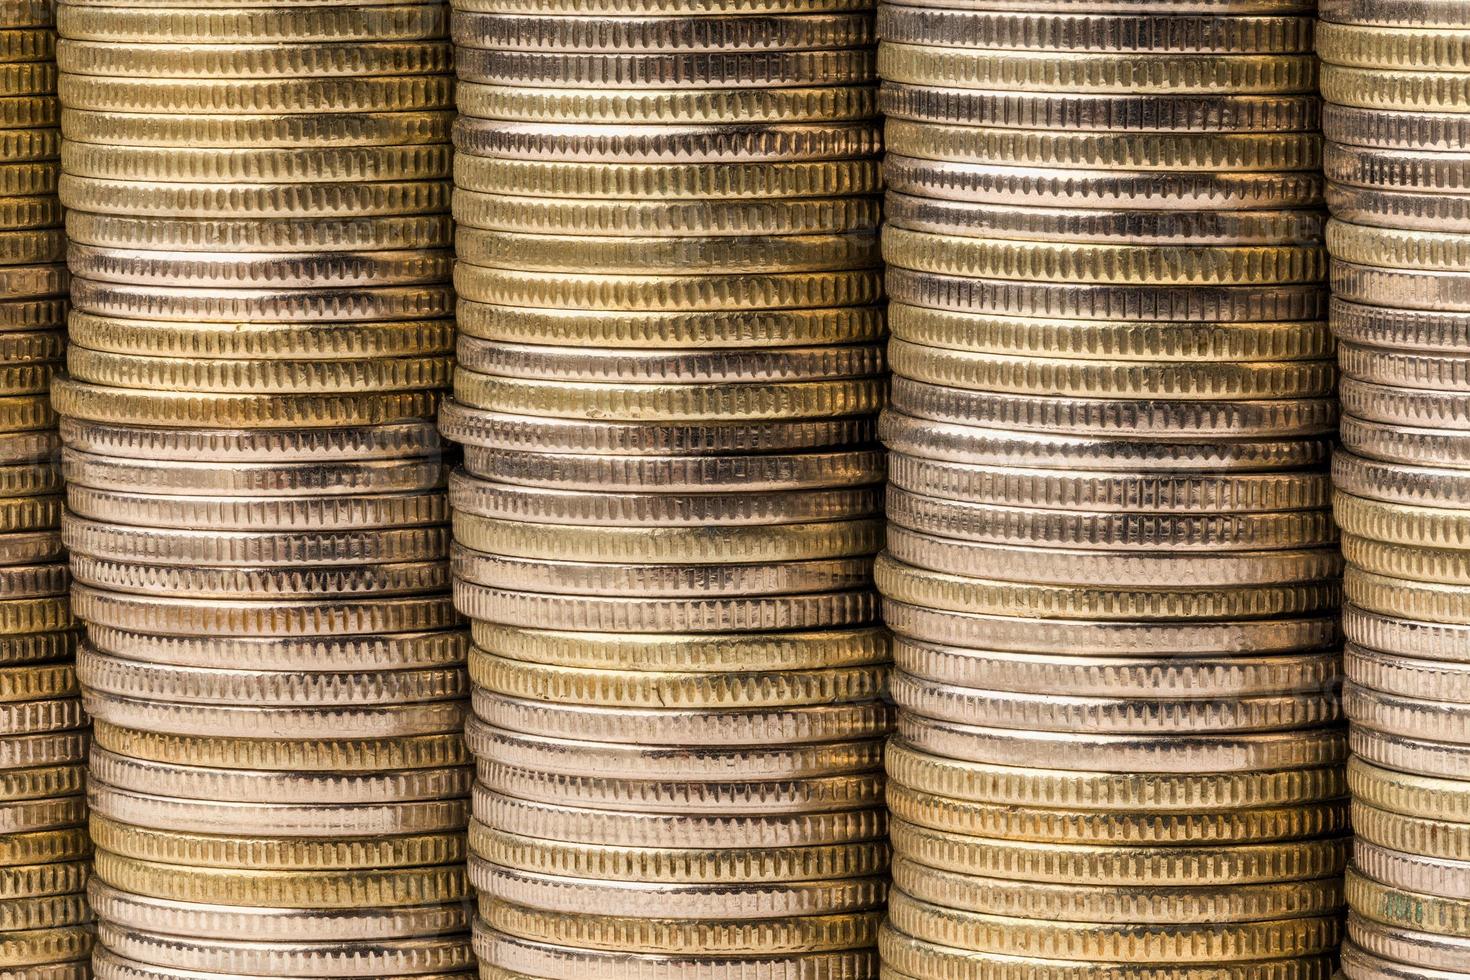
[(1111, 569), (1396, 79), (44, 933), (668, 375), (258, 202)]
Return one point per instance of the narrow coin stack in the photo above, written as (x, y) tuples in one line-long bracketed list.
[(258, 210), (1396, 80), (1111, 570), (669, 369), (44, 921)]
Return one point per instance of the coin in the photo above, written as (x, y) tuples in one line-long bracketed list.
[(676, 900), (258, 58), (1086, 941), (317, 23), (283, 889), (914, 957), (1125, 905), (400, 958), (1093, 29), (522, 957), (803, 934), (131, 910)]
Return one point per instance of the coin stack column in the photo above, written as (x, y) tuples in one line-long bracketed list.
[(1396, 80), (668, 376), (1111, 570), (258, 201), (44, 933)]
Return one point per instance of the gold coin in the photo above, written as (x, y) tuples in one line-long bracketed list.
[(674, 690), (690, 652), (667, 293), (1449, 567), (798, 934), (1048, 713), (43, 847), (37, 682), (1112, 264), (1224, 113), (1105, 792), (27, 79), (368, 234), (34, 615), (1152, 152), (983, 371), (783, 143), (906, 584), (1423, 836), (228, 165), (40, 880), (273, 341), (1425, 601), (668, 545), (1405, 793), (274, 853), (794, 795), (617, 255), (1146, 33), (1209, 943), (25, 44), (289, 618), (246, 97), (27, 214), (686, 8), (380, 128), (32, 247), (259, 58), (317, 889), (1403, 91), (1376, 380), (267, 377), (521, 957), (556, 216), (738, 329), (1108, 340), (29, 111), (726, 866), (1397, 907), (591, 106), (668, 402), (131, 679), (907, 958), (304, 201), (1010, 822), (307, 755), (1111, 865), (1124, 905), (215, 410), (1390, 13), (39, 947), (1130, 73), (673, 69), (1413, 49), (307, 304), (40, 782), (215, 24), (667, 181), (602, 828), (659, 35), (22, 514), (1399, 248)]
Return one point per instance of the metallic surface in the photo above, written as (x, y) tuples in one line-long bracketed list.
[(1110, 566)]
